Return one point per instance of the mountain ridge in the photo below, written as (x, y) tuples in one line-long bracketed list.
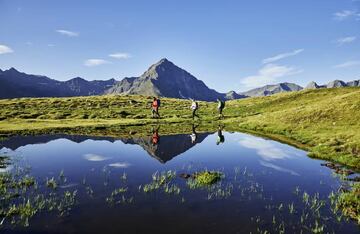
[(15, 84), (272, 89), (166, 79), (163, 78), (333, 84)]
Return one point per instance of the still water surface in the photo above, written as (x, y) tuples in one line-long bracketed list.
[(264, 186)]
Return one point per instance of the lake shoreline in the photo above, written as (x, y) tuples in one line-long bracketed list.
[(323, 122), (120, 128)]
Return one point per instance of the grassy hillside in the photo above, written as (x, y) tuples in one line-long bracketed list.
[(324, 121)]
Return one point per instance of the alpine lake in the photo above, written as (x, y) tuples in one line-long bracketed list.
[(194, 182)]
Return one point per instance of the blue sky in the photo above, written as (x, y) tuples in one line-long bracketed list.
[(230, 45)]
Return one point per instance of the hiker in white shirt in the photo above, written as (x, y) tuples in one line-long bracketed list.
[(193, 135), (194, 108)]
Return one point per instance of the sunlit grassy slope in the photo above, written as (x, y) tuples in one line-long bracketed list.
[(324, 121)]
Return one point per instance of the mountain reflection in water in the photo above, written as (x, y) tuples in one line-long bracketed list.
[(162, 148), (110, 184)]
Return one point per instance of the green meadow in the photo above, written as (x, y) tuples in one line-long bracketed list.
[(325, 122)]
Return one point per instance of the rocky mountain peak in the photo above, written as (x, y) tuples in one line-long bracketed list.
[(312, 85), (12, 70), (163, 67), (336, 84), (77, 79)]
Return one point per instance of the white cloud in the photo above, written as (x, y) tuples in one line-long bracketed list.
[(95, 157), (5, 49), (264, 148), (50, 45), (277, 168), (345, 40), (68, 33), (351, 63), (342, 15), (95, 62), (120, 165), (282, 56), (269, 74), (120, 55)]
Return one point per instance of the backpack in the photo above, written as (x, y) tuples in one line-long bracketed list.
[(223, 104), (158, 102)]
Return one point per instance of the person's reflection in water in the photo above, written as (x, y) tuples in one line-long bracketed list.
[(220, 138), (155, 139), (193, 135)]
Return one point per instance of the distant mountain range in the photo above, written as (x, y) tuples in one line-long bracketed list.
[(163, 79), (15, 84), (272, 89), (334, 84)]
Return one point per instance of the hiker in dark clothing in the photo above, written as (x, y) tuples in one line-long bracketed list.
[(221, 106), (155, 108), (194, 107), (220, 138)]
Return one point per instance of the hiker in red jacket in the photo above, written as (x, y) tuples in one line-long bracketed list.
[(155, 137), (155, 107)]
